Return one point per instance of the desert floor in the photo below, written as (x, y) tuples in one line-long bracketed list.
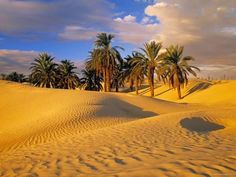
[(68, 133)]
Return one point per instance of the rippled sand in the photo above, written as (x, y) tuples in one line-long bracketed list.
[(47, 132)]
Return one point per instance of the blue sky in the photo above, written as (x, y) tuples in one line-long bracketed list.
[(66, 29)]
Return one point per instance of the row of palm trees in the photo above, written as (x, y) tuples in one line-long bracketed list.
[(105, 65), (169, 66), (14, 76)]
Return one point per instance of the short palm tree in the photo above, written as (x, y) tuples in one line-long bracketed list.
[(148, 59), (178, 67), (16, 77), (90, 80), (44, 71), (95, 63), (107, 57), (67, 76), (3, 76)]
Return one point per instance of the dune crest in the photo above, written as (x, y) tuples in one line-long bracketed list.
[(47, 132)]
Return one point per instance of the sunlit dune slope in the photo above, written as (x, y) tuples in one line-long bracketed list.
[(32, 115), (199, 91), (48, 132)]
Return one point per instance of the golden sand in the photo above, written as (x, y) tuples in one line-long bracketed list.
[(49, 132)]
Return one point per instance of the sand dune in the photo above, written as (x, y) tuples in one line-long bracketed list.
[(46, 132), (200, 92)]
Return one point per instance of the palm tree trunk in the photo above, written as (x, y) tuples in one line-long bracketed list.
[(117, 86), (131, 86), (136, 85), (151, 81), (179, 91), (178, 84), (108, 79), (104, 80)]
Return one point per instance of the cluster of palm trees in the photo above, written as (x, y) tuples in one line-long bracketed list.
[(106, 70), (169, 66), (46, 73), (105, 60)]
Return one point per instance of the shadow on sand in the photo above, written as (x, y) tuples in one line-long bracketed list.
[(114, 107), (198, 87), (147, 89), (198, 124)]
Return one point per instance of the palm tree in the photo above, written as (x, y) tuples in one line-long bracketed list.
[(95, 63), (178, 67), (90, 80), (107, 56), (148, 60), (44, 71), (3, 76), (136, 70), (67, 77), (16, 77), (119, 76)]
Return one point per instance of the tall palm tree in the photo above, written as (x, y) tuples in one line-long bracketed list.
[(136, 70), (44, 71), (108, 57), (178, 67), (67, 76), (149, 59), (90, 80)]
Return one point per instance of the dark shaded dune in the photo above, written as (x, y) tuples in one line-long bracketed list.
[(198, 124)]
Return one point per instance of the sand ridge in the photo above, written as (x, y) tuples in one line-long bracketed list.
[(48, 132)]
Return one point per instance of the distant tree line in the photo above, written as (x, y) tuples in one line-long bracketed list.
[(106, 70), (14, 76)]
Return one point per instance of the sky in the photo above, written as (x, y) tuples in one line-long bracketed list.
[(66, 29)]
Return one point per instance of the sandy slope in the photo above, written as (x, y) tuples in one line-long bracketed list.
[(199, 91), (45, 132)]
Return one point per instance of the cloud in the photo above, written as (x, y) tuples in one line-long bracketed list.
[(205, 28), (218, 71), (22, 17), (16, 60), (145, 1), (126, 19), (20, 60), (78, 33), (129, 30)]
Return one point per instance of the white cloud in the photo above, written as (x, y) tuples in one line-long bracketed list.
[(130, 31), (16, 60), (126, 19), (160, 5), (77, 33), (146, 20), (205, 28)]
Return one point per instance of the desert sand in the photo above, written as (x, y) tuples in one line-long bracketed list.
[(52, 132)]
